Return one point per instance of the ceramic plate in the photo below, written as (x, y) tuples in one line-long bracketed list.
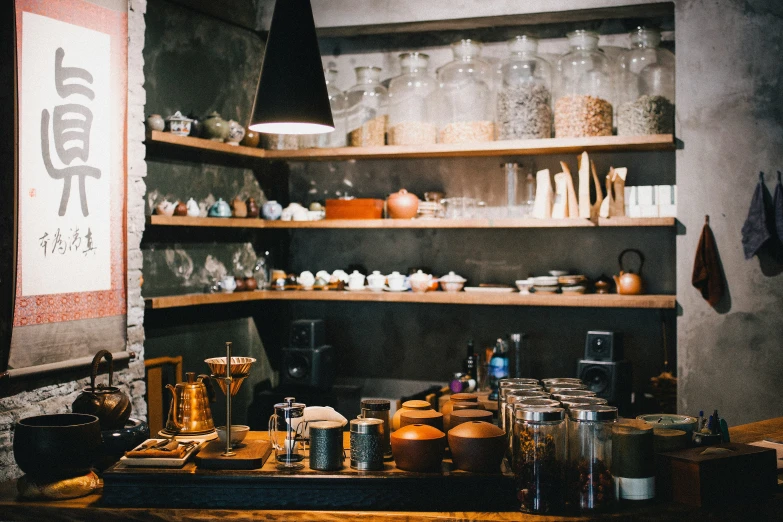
[(362, 289), (162, 462), (386, 288), (489, 289)]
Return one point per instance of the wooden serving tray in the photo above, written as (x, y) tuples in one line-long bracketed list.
[(249, 455)]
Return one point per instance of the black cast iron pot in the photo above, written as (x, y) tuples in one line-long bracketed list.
[(57, 446)]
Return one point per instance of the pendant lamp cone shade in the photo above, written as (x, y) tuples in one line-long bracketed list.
[(292, 97)]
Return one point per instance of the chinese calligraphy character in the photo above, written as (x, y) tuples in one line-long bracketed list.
[(76, 240), (44, 241), (89, 247), (59, 244), (71, 124)]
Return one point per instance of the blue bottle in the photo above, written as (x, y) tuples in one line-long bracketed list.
[(498, 367)]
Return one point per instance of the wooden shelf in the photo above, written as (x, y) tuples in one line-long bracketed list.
[(457, 298), (439, 150), (181, 221)]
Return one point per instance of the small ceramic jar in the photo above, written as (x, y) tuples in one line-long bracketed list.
[(235, 133), (416, 405), (251, 139), (214, 127), (238, 208), (429, 417), (420, 282), (376, 281), (220, 209), (181, 209), (402, 205), (165, 208), (418, 447), (155, 122), (307, 280), (228, 284), (251, 284), (477, 446), (179, 124), (241, 286), (356, 281), (252, 208), (396, 281), (452, 282), (193, 210), (272, 210)]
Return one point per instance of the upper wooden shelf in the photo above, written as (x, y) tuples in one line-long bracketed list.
[(439, 150), (457, 298), (182, 221)]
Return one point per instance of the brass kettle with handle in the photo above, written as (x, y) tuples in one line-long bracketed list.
[(627, 282), (189, 413), (108, 403)]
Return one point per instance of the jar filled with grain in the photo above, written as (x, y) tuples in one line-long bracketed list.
[(645, 97), (365, 116), (337, 102), (524, 101), (584, 89), (464, 103), (409, 120)]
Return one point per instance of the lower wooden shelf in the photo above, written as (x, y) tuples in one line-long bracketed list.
[(453, 298)]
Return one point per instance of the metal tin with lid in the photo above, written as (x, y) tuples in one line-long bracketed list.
[(379, 409), (326, 445), (367, 444), (594, 412)]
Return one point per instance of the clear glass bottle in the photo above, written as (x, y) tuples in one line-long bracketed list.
[(584, 89), (524, 101), (409, 120), (337, 102), (464, 103), (645, 94), (366, 115), (590, 484), (539, 458)]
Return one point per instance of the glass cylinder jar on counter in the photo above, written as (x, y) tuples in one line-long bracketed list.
[(590, 485), (410, 122), (524, 100), (584, 89), (645, 94), (464, 103), (365, 115), (539, 458), (337, 102)]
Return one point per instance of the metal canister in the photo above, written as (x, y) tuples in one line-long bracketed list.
[(379, 409), (367, 444), (326, 446)]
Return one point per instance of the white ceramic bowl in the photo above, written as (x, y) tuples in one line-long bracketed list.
[(558, 273), (238, 432), (544, 281), (524, 285), (452, 286)]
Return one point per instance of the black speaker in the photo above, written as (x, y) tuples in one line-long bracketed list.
[(604, 346), (307, 333), (611, 380), (308, 367)]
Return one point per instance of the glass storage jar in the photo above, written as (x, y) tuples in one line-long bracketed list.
[(645, 94), (464, 103), (409, 93), (524, 100), (539, 458), (584, 87), (589, 478), (271, 141), (365, 116), (336, 138)]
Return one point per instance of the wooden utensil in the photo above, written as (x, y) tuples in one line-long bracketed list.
[(617, 208), (585, 210), (542, 208), (573, 205), (599, 195)]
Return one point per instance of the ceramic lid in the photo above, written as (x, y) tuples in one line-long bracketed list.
[(532, 401), (417, 405), (418, 432), (177, 116), (452, 278), (593, 412), (476, 430), (540, 414), (467, 397), (419, 276), (376, 404), (420, 414), (472, 414), (402, 193)]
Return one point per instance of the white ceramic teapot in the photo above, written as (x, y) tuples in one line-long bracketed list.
[(193, 209), (356, 281), (396, 281), (307, 280), (420, 282), (376, 280)]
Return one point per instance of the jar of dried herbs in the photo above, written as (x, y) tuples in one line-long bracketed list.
[(589, 482), (645, 97), (539, 458), (366, 109)]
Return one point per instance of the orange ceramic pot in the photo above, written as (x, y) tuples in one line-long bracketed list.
[(408, 406), (458, 398), (461, 416), (477, 446), (418, 447), (402, 205), (429, 417)]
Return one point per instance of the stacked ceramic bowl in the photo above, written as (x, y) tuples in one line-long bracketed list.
[(545, 284), (572, 284), (429, 209)]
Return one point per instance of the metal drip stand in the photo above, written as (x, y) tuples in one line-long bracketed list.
[(228, 380)]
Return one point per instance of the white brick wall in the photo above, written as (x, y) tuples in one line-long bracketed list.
[(56, 397)]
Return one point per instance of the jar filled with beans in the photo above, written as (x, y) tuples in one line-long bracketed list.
[(589, 482)]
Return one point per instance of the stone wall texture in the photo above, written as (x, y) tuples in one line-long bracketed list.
[(55, 396)]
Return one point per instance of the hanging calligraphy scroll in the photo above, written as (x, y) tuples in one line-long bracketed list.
[(70, 295)]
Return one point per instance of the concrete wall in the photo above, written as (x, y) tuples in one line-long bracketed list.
[(730, 120), (55, 394)]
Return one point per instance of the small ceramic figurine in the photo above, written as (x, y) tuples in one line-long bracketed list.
[(235, 133), (228, 284), (214, 127), (155, 122), (220, 209), (181, 209), (307, 280), (251, 139), (356, 281), (252, 208), (376, 281), (396, 281), (165, 208), (239, 208), (179, 124), (272, 210), (193, 210)]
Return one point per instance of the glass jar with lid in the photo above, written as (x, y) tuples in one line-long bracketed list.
[(524, 100), (584, 89), (337, 102), (409, 93), (645, 97), (590, 484), (539, 458), (365, 115), (464, 103)]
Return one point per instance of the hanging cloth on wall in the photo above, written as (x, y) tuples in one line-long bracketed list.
[(777, 205), (707, 274), (755, 232)]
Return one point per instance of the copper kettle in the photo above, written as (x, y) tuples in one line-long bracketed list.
[(108, 403), (189, 412), (629, 283)]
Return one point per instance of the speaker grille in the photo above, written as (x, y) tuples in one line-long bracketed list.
[(598, 379)]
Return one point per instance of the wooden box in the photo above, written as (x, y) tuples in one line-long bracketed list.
[(716, 475), (354, 208)]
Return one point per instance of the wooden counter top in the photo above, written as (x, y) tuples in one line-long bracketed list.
[(90, 509)]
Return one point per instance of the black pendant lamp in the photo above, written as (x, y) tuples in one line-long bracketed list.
[(292, 97)]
